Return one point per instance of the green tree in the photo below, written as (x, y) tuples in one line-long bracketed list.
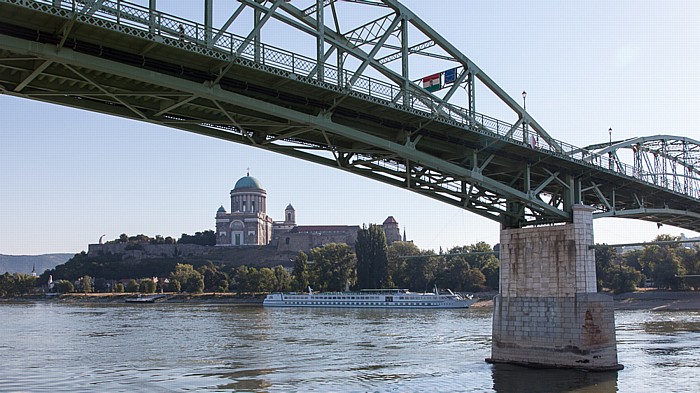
[(160, 240), (301, 272), (372, 262), (212, 276), (195, 285), (6, 285), (63, 286), (224, 285), (624, 279), (456, 272), (100, 285), (132, 286), (110, 266), (474, 280), (206, 238), (16, 284), (147, 285), (421, 271), (334, 265), (668, 270), (690, 259), (397, 253), (241, 279), (452, 272), (481, 254), (119, 287), (283, 280), (86, 284), (191, 280), (266, 280), (667, 266), (173, 286), (252, 280), (635, 259), (605, 257), (491, 272)]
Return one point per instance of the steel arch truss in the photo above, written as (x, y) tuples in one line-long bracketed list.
[(666, 161), (461, 178), (352, 101), (669, 161)]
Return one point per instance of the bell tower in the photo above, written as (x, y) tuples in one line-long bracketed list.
[(290, 215)]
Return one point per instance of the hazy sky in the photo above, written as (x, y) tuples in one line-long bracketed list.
[(69, 176)]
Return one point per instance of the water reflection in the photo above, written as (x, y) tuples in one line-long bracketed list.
[(245, 379), (517, 379), (672, 326), (198, 347)]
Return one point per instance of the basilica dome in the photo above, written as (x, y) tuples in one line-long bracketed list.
[(247, 182)]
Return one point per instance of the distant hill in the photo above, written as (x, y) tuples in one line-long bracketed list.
[(24, 263)]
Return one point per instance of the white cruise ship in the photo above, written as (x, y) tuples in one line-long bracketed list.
[(369, 298)]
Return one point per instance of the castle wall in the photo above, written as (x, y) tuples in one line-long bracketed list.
[(305, 241), (146, 250)]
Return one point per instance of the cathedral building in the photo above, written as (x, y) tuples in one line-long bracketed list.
[(249, 225)]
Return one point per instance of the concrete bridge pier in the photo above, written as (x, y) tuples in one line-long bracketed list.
[(548, 312)]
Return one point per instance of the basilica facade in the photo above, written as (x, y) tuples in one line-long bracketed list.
[(247, 224)]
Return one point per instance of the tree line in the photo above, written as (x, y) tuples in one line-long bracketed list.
[(205, 238), (16, 284), (666, 266), (332, 267), (370, 264)]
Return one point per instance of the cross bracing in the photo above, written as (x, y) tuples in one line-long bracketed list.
[(354, 98), (667, 160)]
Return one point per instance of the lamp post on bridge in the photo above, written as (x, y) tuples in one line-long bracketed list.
[(525, 136), (610, 155)]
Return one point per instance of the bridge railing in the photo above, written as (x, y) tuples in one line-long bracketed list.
[(192, 35)]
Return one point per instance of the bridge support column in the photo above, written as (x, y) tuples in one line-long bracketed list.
[(548, 312)]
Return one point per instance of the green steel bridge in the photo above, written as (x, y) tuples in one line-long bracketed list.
[(342, 89)]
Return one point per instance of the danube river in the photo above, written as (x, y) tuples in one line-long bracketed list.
[(60, 347)]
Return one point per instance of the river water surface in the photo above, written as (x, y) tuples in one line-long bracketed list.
[(59, 347)]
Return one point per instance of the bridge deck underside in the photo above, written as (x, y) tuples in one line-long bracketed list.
[(167, 81)]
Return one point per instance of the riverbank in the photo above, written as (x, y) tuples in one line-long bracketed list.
[(643, 299), (658, 300), (214, 298), (649, 299)]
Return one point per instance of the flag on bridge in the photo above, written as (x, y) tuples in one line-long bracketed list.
[(432, 82)]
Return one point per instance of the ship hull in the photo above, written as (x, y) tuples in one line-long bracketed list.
[(361, 300)]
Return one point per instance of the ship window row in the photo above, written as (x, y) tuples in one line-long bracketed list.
[(380, 298), (362, 303), (340, 297)]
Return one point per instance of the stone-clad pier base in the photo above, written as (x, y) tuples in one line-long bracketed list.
[(548, 312)]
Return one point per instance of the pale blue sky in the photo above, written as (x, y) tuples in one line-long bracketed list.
[(69, 176)]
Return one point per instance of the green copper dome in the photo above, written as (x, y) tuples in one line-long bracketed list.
[(247, 182)]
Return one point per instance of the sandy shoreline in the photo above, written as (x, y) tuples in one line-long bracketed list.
[(653, 300), (656, 300), (214, 298)]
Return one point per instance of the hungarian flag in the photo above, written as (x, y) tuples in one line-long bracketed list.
[(432, 82)]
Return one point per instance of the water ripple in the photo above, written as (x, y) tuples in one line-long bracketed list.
[(166, 348)]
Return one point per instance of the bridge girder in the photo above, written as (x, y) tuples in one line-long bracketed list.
[(139, 69), (667, 160)]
